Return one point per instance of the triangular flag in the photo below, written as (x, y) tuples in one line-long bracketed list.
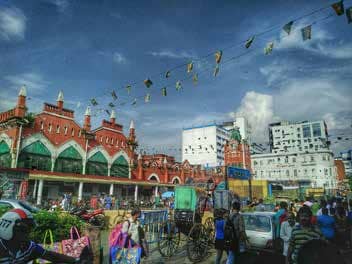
[(216, 70), (189, 67), (195, 78), (107, 111), (349, 15), (111, 105), (339, 8), (167, 74), (148, 83), (147, 98), (163, 91), (178, 85), (128, 88), (269, 48), (113, 95), (307, 32), (218, 56), (287, 28), (134, 101), (249, 42), (93, 102)]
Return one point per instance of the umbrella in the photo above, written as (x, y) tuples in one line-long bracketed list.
[(167, 194)]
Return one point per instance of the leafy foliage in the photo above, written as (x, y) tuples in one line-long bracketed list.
[(60, 224)]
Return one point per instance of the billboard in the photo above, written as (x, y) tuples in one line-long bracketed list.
[(238, 173)]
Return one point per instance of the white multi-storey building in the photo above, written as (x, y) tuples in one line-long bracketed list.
[(204, 145), (317, 168), (299, 152), (298, 137)]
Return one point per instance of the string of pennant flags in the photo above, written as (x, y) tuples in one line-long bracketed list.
[(192, 74)]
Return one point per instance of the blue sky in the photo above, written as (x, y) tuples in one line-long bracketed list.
[(87, 48)]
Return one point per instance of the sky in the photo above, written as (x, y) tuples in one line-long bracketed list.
[(88, 48)]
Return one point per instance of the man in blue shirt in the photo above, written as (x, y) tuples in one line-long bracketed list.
[(326, 224)]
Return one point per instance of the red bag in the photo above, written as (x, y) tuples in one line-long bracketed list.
[(73, 247)]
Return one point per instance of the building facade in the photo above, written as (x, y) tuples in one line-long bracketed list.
[(314, 169), (298, 137), (48, 154), (346, 157), (204, 145)]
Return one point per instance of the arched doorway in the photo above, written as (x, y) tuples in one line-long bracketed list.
[(69, 160), (35, 156), (5, 155), (97, 165), (119, 168)]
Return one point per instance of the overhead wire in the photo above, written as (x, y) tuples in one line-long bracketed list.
[(269, 29)]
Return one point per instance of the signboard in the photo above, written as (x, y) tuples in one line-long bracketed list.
[(238, 173)]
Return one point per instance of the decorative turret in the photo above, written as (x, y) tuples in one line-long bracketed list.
[(86, 124), (20, 109), (113, 117), (132, 134), (166, 173), (140, 167), (60, 100), (236, 135)]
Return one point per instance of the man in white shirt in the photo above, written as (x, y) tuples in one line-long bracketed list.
[(285, 231)]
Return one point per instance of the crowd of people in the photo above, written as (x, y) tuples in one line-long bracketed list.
[(298, 226)]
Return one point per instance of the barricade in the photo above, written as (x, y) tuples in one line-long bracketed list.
[(152, 221)]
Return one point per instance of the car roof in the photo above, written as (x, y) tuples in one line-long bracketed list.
[(9, 200), (259, 213)]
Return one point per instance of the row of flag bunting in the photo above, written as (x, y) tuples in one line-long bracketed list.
[(306, 32)]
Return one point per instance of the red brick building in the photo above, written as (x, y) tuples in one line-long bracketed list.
[(49, 153), (237, 152)]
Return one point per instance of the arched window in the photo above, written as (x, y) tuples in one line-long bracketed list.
[(5, 155), (97, 165), (35, 156), (176, 181), (119, 168), (69, 160)]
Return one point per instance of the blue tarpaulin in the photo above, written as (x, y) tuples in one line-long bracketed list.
[(167, 194)]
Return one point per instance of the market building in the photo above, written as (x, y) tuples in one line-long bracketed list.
[(48, 154)]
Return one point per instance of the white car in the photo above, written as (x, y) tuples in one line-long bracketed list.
[(260, 229), (14, 204)]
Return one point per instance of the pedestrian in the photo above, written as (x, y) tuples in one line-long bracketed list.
[(323, 204), (326, 224), (342, 238), (132, 228), (280, 216), (219, 223), (260, 207), (286, 230), (241, 242), (108, 202), (302, 233)]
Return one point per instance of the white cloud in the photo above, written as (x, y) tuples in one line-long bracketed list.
[(35, 82), (12, 24), (119, 58), (257, 108), (172, 54)]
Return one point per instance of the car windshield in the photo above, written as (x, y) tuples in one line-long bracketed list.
[(28, 207), (257, 223)]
